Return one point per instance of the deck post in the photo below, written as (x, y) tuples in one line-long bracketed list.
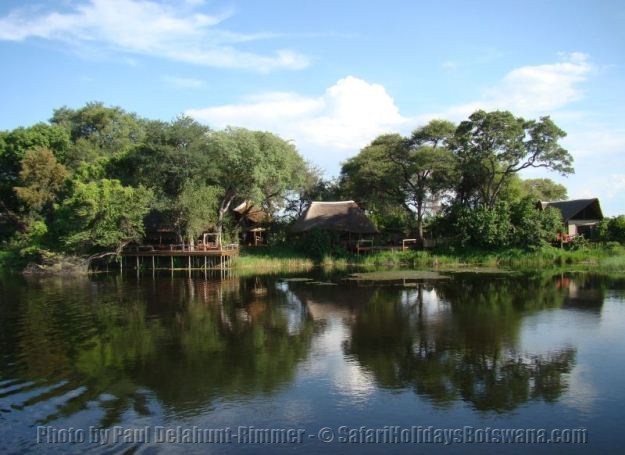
[(172, 262), (153, 266), (137, 261), (189, 263)]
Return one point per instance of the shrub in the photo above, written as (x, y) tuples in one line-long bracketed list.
[(531, 227), (613, 229), (319, 244), (483, 227)]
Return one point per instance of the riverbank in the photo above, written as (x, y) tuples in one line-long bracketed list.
[(606, 257), (602, 257)]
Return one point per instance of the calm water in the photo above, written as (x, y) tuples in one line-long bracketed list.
[(179, 352)]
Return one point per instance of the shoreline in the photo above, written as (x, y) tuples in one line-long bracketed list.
[(598, 257)]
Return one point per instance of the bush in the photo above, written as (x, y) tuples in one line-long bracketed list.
[(531, 227), (483, 227), (613, 229), (318, 244)]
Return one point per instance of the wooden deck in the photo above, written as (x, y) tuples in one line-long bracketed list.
[(181, 253), (192, 259)]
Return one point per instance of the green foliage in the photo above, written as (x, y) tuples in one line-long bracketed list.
[(483, 227), (198, 205), (531, 227), (544, 190), (41, 178), (493, 146), (318, 244), (613, 229), (109, 130), (103, 214), (408, 173)]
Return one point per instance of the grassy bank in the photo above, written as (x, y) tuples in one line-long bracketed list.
[(600, 257), (275, 259), (609, 257)]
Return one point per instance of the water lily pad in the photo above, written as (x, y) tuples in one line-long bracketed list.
[(297, 279)]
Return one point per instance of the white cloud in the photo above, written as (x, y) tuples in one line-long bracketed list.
[(327, 128), (533, 90), (172, 31), (588, 140), (332, 126), (184, 82)]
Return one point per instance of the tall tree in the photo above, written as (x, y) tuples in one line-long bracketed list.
[(493, 146), (411, 172), (253, 165)]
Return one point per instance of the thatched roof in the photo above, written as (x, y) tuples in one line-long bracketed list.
[(343, 216), (251, 212), (577, 209)]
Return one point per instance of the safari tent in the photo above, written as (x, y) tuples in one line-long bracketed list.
[(581, 216)]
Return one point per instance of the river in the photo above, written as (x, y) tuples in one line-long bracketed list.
[(448, 363)]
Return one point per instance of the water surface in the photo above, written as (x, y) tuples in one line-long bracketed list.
[(308, 352)]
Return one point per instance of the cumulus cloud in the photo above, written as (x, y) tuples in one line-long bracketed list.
[(328, 128), (167, 30), (533, 90)]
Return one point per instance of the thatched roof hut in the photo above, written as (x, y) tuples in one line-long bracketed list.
[(251, 212), (341, 216)]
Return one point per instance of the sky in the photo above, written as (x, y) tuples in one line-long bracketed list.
[(331, 75)]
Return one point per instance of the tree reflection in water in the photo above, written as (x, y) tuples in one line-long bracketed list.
[(458, 339), (118, 343)]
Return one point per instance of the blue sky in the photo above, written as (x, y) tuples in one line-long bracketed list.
[(331, 75)]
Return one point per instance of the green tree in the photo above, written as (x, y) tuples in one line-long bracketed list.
[(411, 172), (109, 130), (13, 146), (41, 178), (493, 146), (197, 205), (613, 229), (544, 189), (103, 215), (172, 154), (253, 165)]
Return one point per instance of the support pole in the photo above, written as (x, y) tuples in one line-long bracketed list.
[(172, 262), (137, 262)]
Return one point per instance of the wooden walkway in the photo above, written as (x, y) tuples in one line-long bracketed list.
[(179, 259)]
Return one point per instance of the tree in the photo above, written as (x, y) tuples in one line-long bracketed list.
[(613, 229), (253, 165), (103, 215), (544, 189), (410, 172), (13, 146), (198, 204), (493, 146), (110, 130), (41, 179)]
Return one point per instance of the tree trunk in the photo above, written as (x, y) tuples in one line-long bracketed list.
[(420, 221), (223, 209)]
